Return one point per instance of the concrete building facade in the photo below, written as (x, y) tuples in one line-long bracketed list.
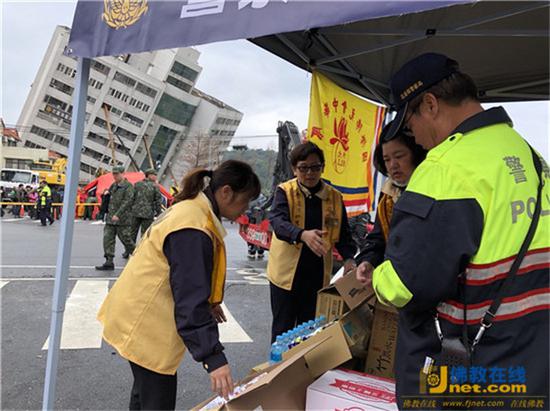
[(149, 98)]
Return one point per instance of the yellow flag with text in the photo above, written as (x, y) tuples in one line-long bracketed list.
[(346, 128)]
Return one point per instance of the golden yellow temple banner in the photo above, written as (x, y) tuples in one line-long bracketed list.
[(346, 128)]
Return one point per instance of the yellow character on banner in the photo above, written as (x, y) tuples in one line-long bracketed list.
[(123, 13), (346, 128)]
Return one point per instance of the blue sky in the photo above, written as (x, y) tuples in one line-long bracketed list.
[(265, 88)]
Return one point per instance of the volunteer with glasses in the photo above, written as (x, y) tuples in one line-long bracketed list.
[(308, 219), (396, 158)]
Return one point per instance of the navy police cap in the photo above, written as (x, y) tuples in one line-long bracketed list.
[(415, 77)]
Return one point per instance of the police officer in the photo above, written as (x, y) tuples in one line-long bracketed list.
[(45, 203), (147, 203), (118, 221), (454, 234)]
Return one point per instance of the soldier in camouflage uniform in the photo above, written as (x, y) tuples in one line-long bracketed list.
[(147, 203), (118, 221)]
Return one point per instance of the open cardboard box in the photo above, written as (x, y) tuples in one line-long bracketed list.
[(352, 330), (344, 295), (280, 386)]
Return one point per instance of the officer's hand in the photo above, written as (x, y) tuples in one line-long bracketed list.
[(349, 266), (218, 314), (114, 218), (364, 273), (222, 383), (314, 240)]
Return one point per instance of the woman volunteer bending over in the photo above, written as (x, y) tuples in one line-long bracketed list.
[(168, 297), (396, 159)]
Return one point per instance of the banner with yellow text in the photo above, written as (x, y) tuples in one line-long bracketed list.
[(346, 128)]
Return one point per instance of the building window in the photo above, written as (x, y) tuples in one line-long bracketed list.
[(98, 139), (100, 122), (136, 121), (52, 101), (184, 71), (122, 132), (61, 140), (102, 68), (39, 131), (175, 110), (59, 85), (92, 153), (18, 163), (87, 168), (148, 91), (124, 79), (160, 145), (91, 99), (32, 145), (179, 84)]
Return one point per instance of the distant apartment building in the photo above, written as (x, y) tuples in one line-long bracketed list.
[(13, 154), (150, 97)]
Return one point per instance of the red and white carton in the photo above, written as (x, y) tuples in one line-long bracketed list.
[(346, 390)]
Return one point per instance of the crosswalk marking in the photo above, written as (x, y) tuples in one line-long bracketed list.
[(3, 283), (82, 330), (80, 326), (231, 331)]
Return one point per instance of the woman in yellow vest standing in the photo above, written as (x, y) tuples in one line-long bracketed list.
[(168, 297), (308, 219), (395, 158)]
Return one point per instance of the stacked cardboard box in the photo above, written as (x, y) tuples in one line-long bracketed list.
[(344, 295), (351, 390), (383, 339)]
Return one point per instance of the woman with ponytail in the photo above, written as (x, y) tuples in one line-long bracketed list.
[(167, 299)]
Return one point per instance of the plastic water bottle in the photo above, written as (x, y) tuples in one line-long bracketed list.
[(322, 320), (286, 340), (276, 354)]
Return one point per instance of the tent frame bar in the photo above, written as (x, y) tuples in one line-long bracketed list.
[(330, 48), (412, 38), (346, 73), (520, 85), (438, 32), (66, 232), (283, 39)]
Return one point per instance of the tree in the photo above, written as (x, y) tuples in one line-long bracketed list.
[(200, 150), (261, 161)]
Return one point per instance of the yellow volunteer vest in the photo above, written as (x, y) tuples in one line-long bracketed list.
[(138, 313), (283, 257)]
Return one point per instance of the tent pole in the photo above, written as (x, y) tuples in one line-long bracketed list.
[(66, 232)]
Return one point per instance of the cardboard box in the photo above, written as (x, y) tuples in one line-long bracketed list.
[(281, 386), (332, 352), (351, 390), (344, 295), (383, 340), (260, 367), (357, 325)]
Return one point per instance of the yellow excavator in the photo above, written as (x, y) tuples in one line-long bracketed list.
[(51, 171)]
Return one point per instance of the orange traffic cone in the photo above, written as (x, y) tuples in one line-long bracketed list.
[(22, 211)]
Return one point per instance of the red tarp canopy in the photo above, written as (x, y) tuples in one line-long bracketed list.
[(100, 184)]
